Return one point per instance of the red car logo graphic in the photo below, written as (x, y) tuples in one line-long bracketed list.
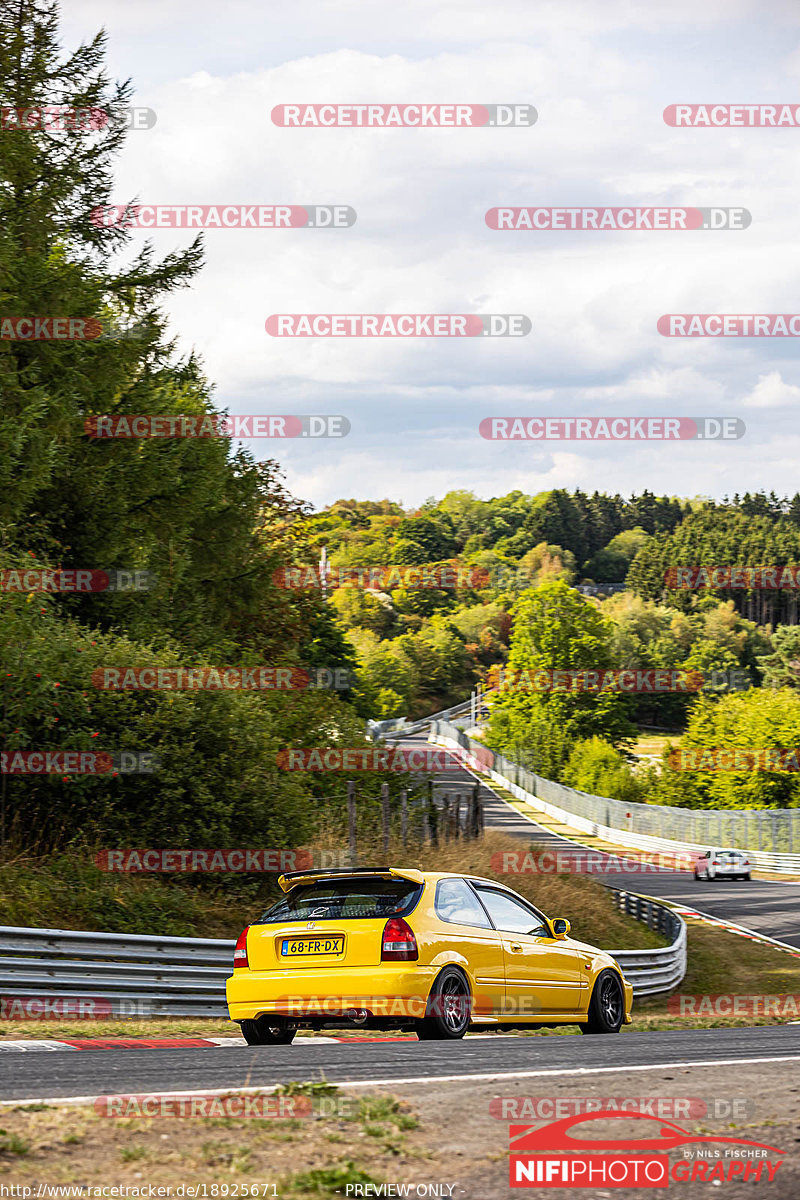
[(556, 1137)]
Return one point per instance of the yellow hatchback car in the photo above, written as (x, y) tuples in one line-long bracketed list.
[(430, 951)]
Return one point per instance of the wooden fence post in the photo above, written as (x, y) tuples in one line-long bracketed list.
[(474, 822), (351, 820), (385, 817), (433, 815)]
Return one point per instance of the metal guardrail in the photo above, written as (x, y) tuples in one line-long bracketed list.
[(399, 726), (136, 976), (652, 972), (633, 825), (125, 975)]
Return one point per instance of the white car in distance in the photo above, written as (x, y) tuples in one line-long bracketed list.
[(722, 864)]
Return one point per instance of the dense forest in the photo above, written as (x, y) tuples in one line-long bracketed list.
[(211, 526), (562, 581), (216, 532)]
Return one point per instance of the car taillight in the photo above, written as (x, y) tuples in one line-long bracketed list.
[(399, 942), (240, 953)]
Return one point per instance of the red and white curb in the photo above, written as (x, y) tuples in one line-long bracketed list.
[(132, 1043), (729, 927), (151, 1043)]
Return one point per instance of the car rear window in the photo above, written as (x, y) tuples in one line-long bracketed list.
[(345, 899)]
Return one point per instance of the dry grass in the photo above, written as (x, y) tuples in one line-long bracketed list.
[(368, 1137)]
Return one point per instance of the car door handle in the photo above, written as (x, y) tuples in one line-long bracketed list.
[(516, 946)]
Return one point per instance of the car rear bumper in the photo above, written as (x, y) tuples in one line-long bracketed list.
[(390, 990)]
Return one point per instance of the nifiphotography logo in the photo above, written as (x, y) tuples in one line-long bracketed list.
[(553, 1156)]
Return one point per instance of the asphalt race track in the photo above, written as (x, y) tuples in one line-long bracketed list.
[(772, 909), (90, 1073)]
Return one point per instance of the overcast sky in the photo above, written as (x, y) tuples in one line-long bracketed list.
[(599, 76)]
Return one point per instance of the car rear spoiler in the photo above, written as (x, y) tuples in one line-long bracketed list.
[(292, 878)]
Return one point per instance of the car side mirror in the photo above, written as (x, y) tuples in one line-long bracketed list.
[(561, 928)]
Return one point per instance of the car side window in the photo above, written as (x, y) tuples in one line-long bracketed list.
[(456, 903), (510, 915)]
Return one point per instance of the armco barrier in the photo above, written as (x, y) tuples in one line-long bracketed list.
[(141, 976), (652, 971), (758, 831), (400, 727), (138, 975)]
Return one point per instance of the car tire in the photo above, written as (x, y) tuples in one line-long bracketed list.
[(607, 1005), (261, 1033), (449, 1008)]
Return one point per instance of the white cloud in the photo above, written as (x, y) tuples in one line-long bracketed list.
[(772, 392), (600, 77)]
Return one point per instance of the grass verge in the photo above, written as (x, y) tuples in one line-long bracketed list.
[(345, 1139)]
